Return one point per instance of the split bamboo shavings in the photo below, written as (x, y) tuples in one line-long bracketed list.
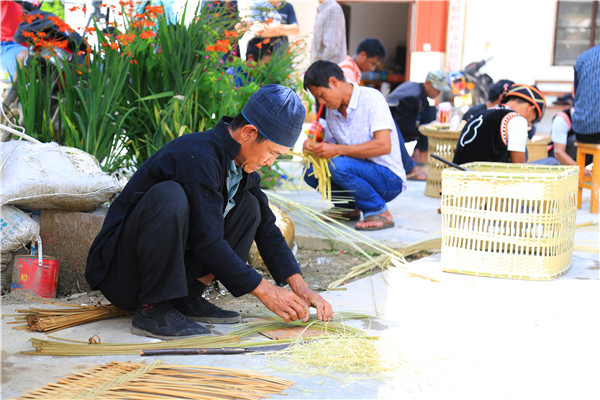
[(54, 319), (137, 381), (346, 353)]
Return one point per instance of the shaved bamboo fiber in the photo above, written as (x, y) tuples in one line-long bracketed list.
[(51, 320), (344, 352), (119, 380)]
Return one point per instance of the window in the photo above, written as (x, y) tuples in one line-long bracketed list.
[(577, 29)]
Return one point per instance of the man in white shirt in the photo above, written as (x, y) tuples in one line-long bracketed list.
[(362, 142)]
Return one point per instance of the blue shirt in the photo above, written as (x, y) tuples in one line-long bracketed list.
[(234, 176), (586, 118)]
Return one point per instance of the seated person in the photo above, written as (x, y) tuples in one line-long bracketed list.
[(499, 134), (413, 109), (369, 54), (563, 146), (494, 96), (362, 137)]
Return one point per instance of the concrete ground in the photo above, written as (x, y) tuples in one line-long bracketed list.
[(461, 337)]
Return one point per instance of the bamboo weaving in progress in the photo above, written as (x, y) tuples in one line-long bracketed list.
[(125, 380)]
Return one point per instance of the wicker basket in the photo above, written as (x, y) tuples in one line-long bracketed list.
[(538, 148), (509, 220), (441, 142)]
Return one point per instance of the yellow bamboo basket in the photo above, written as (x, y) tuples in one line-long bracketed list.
[(441, 142), (512, 221)]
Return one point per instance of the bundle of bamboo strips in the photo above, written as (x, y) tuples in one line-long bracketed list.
[(320, 172), (352, 239), (65, 347), (119, 380), (51, 319)]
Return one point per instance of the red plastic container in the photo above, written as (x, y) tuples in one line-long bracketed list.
[(27, 274)]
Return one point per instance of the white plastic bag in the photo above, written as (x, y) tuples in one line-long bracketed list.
[(49, 176), (17, 229)]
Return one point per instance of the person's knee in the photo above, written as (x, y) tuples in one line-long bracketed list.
[(170, 196)]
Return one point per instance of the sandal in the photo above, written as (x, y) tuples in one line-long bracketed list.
[(386, 223), (417, 174)]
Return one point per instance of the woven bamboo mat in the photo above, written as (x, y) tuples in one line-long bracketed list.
[(136, 381)]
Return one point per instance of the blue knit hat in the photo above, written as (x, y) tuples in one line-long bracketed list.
[(277, 112)]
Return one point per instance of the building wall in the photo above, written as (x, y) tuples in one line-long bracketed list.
[(387, 22), (518, 34)]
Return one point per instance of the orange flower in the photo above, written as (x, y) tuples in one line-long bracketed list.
[(231, 34), (143, 23), (269, 21), (259, 45), (266, 41), (90, 29), (157, 10), (147, 35), (73, 9), (84, 9)]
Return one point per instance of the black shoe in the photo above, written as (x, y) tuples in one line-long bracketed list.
[(162, 321), (199, 309)]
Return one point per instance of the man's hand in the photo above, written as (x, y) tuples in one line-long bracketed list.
[(325, 150), (299, 286), (282, 302)]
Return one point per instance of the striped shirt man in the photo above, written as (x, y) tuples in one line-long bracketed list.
[(329, 33)]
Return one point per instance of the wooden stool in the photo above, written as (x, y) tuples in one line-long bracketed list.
[(592, 183)]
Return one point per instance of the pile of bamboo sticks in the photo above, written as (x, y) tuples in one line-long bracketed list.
[(125, 380), (52, 319)]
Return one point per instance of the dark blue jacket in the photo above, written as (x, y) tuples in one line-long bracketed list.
[(198, 161)]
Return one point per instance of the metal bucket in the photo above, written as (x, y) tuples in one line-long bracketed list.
[(40, 279)]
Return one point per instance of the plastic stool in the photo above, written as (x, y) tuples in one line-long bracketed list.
[(592, 183)]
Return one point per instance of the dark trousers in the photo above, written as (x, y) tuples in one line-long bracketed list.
[(151, 264), (588, 138)]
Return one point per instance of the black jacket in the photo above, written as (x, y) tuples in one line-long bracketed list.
[(198, 161)]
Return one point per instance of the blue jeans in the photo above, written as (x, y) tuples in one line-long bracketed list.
[(407, 161), (369, 185)]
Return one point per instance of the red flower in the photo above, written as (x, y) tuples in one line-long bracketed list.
[(72, 9)]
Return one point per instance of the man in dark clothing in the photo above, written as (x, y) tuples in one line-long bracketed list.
[(190, 214), (413, 109), (499, 134)]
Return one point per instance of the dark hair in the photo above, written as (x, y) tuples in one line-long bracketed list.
[(497, 89), (240, 121), (372, 48), (257, 48), (320, 71)]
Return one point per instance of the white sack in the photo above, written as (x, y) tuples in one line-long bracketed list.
[(49, 176), (17, 229)]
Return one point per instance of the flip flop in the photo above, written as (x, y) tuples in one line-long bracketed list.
[(386, 223)]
